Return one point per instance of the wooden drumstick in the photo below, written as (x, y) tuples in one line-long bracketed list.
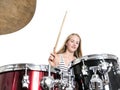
[(59, 32), (49, 73)]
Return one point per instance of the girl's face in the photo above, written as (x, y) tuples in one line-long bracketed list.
[(73, 43)]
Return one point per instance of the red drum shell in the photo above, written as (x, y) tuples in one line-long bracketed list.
[(11, 78)]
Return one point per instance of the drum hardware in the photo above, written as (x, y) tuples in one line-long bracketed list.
[(118, 68), (95, 82), (105, 79), (70, 85), (25, 80), (49, 70), (110, 65), (84, 68), (47, 82), (104, 67), (61, 82)]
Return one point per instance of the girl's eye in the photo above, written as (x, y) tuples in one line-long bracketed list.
[(77, 42)]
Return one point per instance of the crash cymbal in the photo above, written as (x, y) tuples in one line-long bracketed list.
[(15, 14)]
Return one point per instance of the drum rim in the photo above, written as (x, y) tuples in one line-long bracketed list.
[(95, 56), (22, 66), (100, 56)]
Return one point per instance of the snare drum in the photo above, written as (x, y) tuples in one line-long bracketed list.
[(23, 76), (105, 66)]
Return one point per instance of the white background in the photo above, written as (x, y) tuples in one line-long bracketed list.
[(96, 21)]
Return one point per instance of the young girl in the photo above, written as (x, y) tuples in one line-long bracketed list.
[(69, 52)]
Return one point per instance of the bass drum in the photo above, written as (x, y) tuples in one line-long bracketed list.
[(23, 76), (97, 72)]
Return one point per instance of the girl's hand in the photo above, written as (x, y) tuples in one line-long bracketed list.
[(51, 57)]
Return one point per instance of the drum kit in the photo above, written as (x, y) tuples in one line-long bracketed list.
[(90, 72)]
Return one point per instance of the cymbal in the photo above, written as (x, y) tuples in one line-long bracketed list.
[(15, 14)]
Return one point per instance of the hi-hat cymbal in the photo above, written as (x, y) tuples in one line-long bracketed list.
[(15, 14)]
